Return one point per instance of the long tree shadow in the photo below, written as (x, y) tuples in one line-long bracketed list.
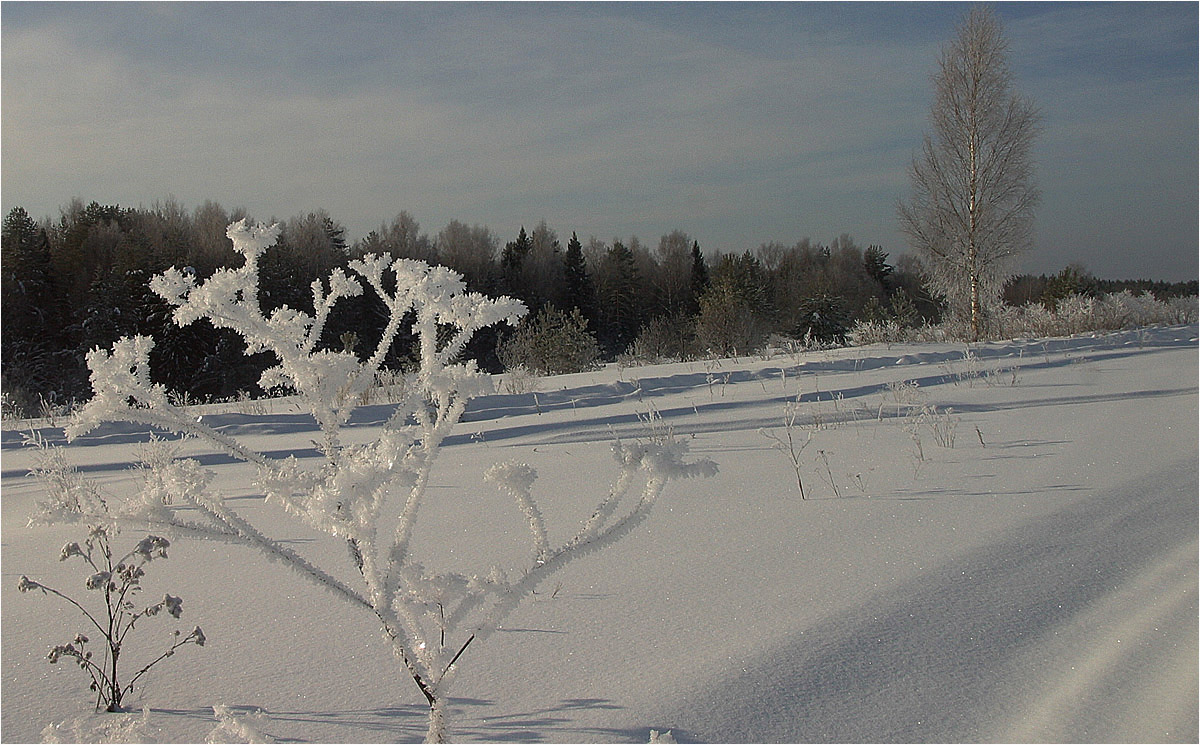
[(551, 723), (498, 406), (602, 426), (926, 662)]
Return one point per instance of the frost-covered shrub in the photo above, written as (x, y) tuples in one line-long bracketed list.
[(1070, 314), (875, 332), (369, 494), (665, 339), (69, 496), (519, 380), (16, 401), (1123, 309), (551, 343), (1078, 314), (1181, 310), (118, 581)]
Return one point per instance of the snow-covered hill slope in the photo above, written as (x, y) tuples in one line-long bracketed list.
[(999, 543)]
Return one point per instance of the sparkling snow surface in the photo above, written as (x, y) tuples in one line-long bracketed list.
[(1037, 581)]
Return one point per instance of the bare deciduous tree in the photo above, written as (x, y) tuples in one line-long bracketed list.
[(973, 196)]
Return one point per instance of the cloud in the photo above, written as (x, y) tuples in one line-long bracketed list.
[(737, 124)]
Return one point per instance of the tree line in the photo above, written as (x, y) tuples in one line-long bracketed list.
[(81, 281)]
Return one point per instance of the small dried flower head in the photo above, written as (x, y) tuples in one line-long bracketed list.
[(98, 581), (173, 605), (130, 573), (59, 651), (199, 636), (26, 584), (152, 546), (69, 550), (81, 639)]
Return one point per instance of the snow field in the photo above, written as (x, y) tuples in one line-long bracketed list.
[(1040, 585)]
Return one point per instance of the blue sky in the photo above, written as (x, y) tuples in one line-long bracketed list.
[(738, 123)]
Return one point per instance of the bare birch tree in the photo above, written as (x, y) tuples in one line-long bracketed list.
[(973, 191)]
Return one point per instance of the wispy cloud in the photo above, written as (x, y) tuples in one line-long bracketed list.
[(739, 123)]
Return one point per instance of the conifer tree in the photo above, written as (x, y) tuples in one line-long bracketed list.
[(618, 295), (27, 305), (581, 292), (513, 257), (699, 276)]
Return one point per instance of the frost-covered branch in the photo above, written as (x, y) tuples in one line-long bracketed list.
[(429, 617)]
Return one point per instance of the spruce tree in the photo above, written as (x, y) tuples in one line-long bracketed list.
[(581, 292), (618, 295), (513, 257), (699, 276)]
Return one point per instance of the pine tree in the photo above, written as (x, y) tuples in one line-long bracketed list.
[(26, 263), (335, 233), (876, 266), (823, 318)]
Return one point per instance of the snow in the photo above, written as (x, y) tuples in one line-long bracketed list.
[(1035, 582)]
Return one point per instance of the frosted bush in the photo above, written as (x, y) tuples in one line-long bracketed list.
[(875, 332), (664, 339), (1125, 310), (519, 380), (1182, 310), (430, 618), (69, 496), (1073, 314), (1079, 314)]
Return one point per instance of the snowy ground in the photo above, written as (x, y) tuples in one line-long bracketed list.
[(1037, 581)]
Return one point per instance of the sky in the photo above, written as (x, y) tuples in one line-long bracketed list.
[(737, 123)]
